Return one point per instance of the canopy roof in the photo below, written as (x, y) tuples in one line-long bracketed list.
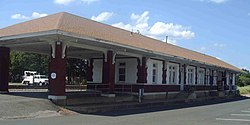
[(83, 27)]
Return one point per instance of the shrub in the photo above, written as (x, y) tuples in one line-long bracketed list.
[(244, 90)]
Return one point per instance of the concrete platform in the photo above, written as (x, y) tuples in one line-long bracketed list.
[(146, 104), (99, 104)]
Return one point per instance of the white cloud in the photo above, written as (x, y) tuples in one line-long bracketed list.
[(218, 1), (123, 26), (159, 30), (88, 1), (212, 46), (38, 15), (33, 16), (220, 45), (214, 1), (19, 16), (64, 2), (218, 58), (171, 30), (203, 48), (104, 16)]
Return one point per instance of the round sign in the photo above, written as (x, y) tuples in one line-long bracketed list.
[(53, 75)]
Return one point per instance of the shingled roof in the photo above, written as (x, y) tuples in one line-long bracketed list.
[(88, 28)]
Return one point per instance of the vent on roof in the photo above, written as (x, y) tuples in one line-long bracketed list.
[(166, 39)]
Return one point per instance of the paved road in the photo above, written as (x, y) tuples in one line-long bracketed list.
[(18, 105), (229, 113)]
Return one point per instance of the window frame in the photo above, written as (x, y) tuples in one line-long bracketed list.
[(123, 66), (201, 76), (208, 75), (172, 73), (190, 75), (154, 73)]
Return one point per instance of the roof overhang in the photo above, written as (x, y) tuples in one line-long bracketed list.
[(74, 40)]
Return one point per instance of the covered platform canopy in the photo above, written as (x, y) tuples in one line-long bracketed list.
[(64, 35)]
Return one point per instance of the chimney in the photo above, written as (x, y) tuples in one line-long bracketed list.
[(166, 39)]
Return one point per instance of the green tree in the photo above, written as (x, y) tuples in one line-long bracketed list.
[(76, 70), (21, 61), (243, 79)]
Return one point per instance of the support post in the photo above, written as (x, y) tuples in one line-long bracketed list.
[(4, 69), (185, 74), (57, 73), (205, 77), (164, 70), (196, 75), (89, 74), (142, 70), (181, 70), (109, 70)]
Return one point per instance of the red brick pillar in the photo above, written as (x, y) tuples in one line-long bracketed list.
[(57, 72), (4, 69), (89, 74), (142, 70), (164, 75), (108, 72)]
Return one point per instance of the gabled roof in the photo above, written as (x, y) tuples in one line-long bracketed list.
[(87, 28)]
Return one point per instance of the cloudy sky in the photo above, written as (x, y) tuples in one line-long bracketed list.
[(220, 28)]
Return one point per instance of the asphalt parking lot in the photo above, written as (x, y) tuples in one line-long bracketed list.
[(21, 105), (233, 112)]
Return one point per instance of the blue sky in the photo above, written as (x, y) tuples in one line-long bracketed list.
[(220, 28)]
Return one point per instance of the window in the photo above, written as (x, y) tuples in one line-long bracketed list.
[(207, 77), (190, 76), (215, 78), (201, 77), (154, 73), (122, 72), (172, 74)]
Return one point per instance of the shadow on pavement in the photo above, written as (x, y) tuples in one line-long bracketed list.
[(41, 95), (167, 107)]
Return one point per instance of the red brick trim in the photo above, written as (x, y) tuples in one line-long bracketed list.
[(142, 70), (4, 68), (57, 65), (108, 71), (164, 72), (89, 73)]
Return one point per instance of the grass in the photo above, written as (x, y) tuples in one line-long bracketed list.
[(244, 90)]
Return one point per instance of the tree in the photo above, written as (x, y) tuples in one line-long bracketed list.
[(76, 70), (243, 79), (21, 61)]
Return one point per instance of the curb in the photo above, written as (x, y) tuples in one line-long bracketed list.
[(146, 104)]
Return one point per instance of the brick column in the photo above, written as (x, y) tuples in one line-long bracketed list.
[(142, 70), (4, 69), (185, 74), (108, 72), (57, 73), (205, 78), (181, 72), (164, 70), (196, 75), (89, 74)]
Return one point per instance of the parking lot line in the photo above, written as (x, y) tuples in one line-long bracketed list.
[(239, 120), (241, 114)]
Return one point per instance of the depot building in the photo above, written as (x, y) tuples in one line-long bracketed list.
[(118, 60)]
